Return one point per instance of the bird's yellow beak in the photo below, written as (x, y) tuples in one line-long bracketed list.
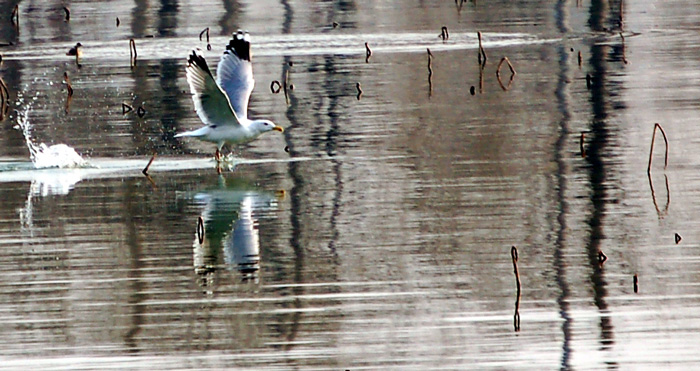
[(278, 128)]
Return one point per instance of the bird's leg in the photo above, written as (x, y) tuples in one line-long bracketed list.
[(217, 155)]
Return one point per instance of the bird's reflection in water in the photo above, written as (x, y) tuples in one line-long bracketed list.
[(230, 239)]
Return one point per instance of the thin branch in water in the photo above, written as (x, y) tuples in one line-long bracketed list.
[(516, 316), (145, 170), (200, 230), (482, 52), (132, 52), (580, 59)]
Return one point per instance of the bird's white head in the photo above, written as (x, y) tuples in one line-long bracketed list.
[(263, 126)]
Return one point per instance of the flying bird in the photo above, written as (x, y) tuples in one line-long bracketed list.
[(222, 104)]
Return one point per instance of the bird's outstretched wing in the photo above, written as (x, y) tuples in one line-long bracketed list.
[(210, 102), (235, 73)]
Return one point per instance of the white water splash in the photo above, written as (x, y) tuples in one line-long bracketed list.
[(43, 156)]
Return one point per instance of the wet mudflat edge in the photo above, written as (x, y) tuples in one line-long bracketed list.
[(376, 232)]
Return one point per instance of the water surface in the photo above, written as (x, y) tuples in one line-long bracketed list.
[(381, 237)]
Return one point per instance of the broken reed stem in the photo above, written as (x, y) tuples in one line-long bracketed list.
[(444, 34), (481, 78), (132, 52), (285, 86), (200, 230), (624, 55), (482, 52), (622, 15), (651, 151), (145, 170), (205, 31), (516, 316), (68, 84), (430, 73), (580, 59)]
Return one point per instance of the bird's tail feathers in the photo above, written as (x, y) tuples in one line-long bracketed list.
[(194, 133)]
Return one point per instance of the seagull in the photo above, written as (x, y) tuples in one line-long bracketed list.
[(222, 104)]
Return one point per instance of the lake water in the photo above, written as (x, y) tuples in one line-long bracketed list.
[(376, 231)]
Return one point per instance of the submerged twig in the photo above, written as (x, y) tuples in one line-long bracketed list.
[(516, 316), (275, 87), (602, 257), (126, 108), (651, 151), (512, 69)]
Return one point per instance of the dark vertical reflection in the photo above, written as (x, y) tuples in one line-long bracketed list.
[(8, 33), (599, 138), (139, 15), (11, 72), (296, 192), (167, 18), (564, 108), (229, 20), (331, 147), (135, 267), (172, 111)]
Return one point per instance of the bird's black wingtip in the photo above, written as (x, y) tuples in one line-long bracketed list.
[(240, 45), (198, 60)]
